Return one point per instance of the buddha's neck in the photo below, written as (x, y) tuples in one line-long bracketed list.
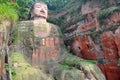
[(40, 20), (41, 28)]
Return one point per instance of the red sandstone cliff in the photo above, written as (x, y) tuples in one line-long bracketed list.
[(97, 36)]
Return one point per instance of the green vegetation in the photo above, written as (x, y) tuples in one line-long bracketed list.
[(75, 19), (104, 3), (72, 60), (96, 34), (57, 5), (60, 21), (3, 1), (54, 20), (83, 1), (8, 11), (24, 7), (21, 70), (66, 6), (73, 7), (105, 13)]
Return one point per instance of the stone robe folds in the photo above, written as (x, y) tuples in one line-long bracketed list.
[(42, 52)]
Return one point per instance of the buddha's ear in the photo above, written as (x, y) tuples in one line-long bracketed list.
[(31, 14)]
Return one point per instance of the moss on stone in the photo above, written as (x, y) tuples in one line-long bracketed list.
[(24, 71), (72, 60)]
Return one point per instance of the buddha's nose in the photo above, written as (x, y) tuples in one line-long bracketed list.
[(42, 11)]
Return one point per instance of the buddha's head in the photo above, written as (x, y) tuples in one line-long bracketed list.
[(39, 10)]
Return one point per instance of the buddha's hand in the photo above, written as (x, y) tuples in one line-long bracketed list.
[(91, 71)]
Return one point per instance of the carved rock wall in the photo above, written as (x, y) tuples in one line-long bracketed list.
[(110, 58), (83, 46), (109, 46), (5, 27), (107, 51), (117, 39), (2, 69), (107, 57)]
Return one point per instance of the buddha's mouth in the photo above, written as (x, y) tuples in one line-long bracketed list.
[(42, 11)]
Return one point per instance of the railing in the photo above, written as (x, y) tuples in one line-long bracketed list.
[(81, 29)]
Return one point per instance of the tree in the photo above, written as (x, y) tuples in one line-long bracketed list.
[(24, 7)]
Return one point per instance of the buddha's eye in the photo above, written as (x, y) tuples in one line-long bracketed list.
[(45, 8), (38, 6)]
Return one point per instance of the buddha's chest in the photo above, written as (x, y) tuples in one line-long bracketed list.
[(46, 48), (41, 30)]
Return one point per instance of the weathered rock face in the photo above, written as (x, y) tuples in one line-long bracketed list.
[(84, 47), (5, 27), (110, 58), (87, 26), (106, 49), (117, 39), (1, 58), (76, 47), (1, 66), (112, 71), (109, 46)]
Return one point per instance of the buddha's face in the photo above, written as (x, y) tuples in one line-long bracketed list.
[(40, 10)]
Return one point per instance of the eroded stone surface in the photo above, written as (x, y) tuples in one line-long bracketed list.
[(117, 39), (109, 46), (84, 47)]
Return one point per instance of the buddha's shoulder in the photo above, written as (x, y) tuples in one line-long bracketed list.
[(28, 21), (54, 27), (25, 23), (56, 30)]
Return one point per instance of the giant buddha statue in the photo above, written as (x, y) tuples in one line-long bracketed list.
[(43, 48)]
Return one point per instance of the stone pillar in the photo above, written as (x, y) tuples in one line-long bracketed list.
[(109, 63), (117, 40)]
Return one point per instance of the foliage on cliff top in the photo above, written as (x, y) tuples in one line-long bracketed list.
[(105, 13), (95, 34), (24, 8), (8, 11)]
